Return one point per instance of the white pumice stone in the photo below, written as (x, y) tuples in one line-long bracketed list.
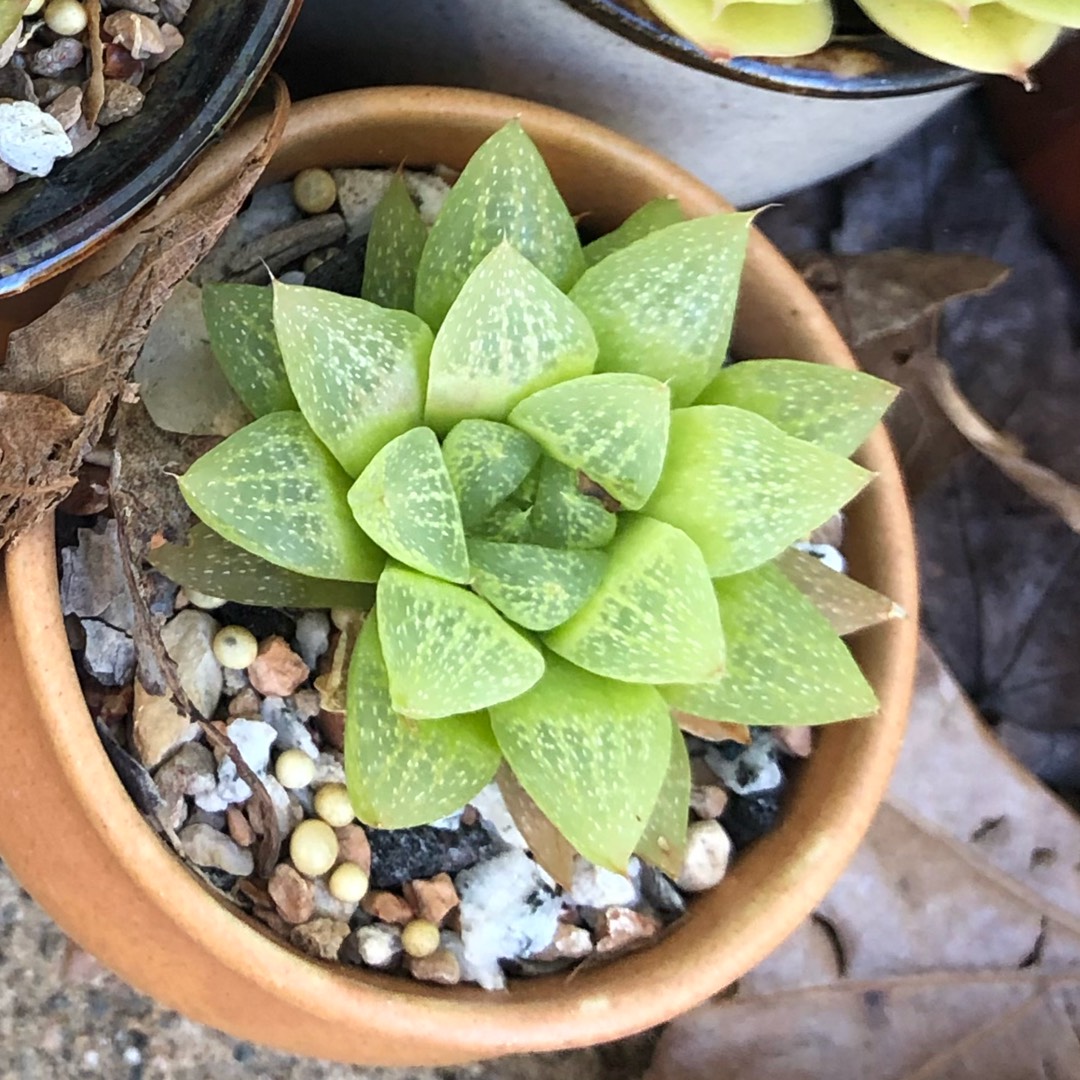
[(708, 851)]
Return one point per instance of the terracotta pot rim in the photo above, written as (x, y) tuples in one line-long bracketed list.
[(805, 855)]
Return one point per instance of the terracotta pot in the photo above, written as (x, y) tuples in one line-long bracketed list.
[(72, 836)]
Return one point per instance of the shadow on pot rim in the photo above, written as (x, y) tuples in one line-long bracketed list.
[(899, 71), (50, 224)]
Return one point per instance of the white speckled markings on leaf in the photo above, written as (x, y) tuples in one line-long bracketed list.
[(447, 650), (828, 406), (273, 489), (240, 322), (358, 370), (487, 462), (654, 617), (614, 428), (563, 516), (509, 333), (592, 753), (650, 311), (394, 246), (743, 490), (405, 502), (408, 772), (786, 665), (505, 192), (536, 587)]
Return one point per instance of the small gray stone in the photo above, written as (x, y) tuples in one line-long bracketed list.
[(109, 654), (329, 768), (67, 108), (329, 906), (64, 54), (321, 938), (92, 581), (207, 847), (312, 636), (291, 732), (746, 770), (189, 638), (82, 135), (173, 11), (142, 7), (595, 887), (189, 772), (15, 83)]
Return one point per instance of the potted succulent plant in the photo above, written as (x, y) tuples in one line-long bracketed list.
[(753, 127), (539, 472)]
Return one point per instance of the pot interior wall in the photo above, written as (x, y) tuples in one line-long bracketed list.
[(353, 1015)]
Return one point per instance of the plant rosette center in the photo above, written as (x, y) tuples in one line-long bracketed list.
[(558, 525)]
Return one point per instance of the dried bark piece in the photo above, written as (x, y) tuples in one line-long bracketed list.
[(552, 851), (712, 730), (95, 83), (277, 249)]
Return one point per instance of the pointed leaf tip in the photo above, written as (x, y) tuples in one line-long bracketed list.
[(359, 371), (509, 333), (447, 650), (394, 246), (274, 490), (405, 502), (504, 193), (613, 428), (664, 306)]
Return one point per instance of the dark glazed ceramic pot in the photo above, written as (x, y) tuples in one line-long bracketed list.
[(48, 225)]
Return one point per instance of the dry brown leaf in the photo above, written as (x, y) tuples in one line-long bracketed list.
[(94, 97), (80, 352), (971, 872), (712, 730), (1007, 1026), (848, 605), (1003, 450), (549, 847)]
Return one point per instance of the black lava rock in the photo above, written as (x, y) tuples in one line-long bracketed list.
[(748, 817), (400, 855), (342, 273), (263, 622)]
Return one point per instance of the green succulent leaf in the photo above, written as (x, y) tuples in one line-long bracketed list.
[(654, 215), (447, 650), (986, 37), (828, 406), (786, 666), (11, 12), (613, 428), (743, 490), (405, 502), (508, 523), (212, 565), (394, 246), (654, 618), (505, 193), (848, 604), (1061, 12), (664, 306), (404, 772), (536, 587), (774, 28), (487, 463), (358, 370), (563, 516), (592, 754), (509, 333), (273, 489), (240, 322), (664, 841)]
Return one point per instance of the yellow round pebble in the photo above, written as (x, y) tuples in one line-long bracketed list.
[(348, 883), (314, 191), (313, 847), (65, 17), (333, 805), (235, 647), (204, 600), (420, 938), (294, 769)]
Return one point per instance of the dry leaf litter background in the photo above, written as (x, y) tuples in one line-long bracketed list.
[(951, 948)]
